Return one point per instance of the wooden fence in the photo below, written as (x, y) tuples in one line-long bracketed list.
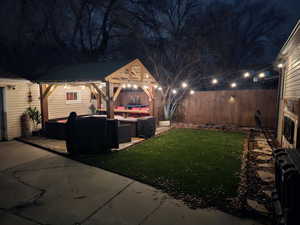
[(236, 107)]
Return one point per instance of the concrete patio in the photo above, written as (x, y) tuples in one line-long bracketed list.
[(59, 146), (38, 187)]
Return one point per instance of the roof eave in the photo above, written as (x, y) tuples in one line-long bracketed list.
[(281, 52)]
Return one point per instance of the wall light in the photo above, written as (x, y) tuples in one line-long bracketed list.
[(214, 81), (233, 85), (174, 91), (184, 84), (247, 74), (232, 99), (280, 65), (261, 75), (192, 92)]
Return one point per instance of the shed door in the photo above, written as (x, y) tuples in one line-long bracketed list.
[(1, 114)]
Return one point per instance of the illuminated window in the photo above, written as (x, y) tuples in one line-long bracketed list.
[(72, 97)]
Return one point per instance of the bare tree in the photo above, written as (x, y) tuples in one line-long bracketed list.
[(163, 44)]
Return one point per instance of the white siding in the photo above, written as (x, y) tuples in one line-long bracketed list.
[(292, 74), (58, 106), (16, 102)]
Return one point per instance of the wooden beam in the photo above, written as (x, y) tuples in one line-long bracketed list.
[(51, 90), (44, 103), (148, 93), (109, 102), (117, 93), (99, 91), (47, 90)]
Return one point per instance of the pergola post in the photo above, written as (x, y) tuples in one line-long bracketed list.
[(153, 102), (110, 101), (44, 104)]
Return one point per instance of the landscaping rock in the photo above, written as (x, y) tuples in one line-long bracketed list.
[(266, 176), (256, 206), (264, 157), (268, 193)]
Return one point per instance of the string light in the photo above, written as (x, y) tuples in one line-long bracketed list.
[(135, 86), (261, 75), (233, 85), (129, 85), (155, 86), (184, 84), (280, 65), (247, 74), (82, 87), (145, 86), (174, 91), (160, 88), (192, 92), (214, 81), (123, 86)]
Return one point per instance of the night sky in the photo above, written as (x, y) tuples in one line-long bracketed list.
[(293, 9)]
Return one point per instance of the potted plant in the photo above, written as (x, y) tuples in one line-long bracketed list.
[(36, 118)]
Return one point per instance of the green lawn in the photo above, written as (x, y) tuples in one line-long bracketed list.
[(199, 163)]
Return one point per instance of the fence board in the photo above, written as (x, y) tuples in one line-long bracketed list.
[(236, 107)]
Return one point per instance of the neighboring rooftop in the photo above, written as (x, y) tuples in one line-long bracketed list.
[(82, 72), (7, 75)]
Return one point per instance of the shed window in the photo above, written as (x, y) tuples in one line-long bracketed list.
[(72, 97)]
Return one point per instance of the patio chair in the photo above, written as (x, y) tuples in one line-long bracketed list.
[(146, 127)]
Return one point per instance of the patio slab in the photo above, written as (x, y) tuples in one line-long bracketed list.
[(59, 191), (13, 153), (11, 219), (133, 206), (173, 212), (71, 192), (14, 192)]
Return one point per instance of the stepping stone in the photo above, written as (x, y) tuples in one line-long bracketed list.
[(264, 157), (262, 151), (256, 206), (268, 149), (265, 165), (266, 176), (262, 142), (259, 139), (265, 145), (268, 193)]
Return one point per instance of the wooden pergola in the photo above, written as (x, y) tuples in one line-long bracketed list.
[(106, 86)]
